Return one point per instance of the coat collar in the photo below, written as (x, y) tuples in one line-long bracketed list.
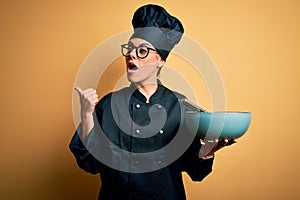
[(156, 96)]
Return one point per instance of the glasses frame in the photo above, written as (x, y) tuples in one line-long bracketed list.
[(126, 46)]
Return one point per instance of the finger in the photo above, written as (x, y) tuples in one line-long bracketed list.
[(90, 96), (232, 141), (225, 142), (88, 93), (79, 90), (210, 142), (202, 141), (222, 144), (90, 90), (96, 101), (93, 100)]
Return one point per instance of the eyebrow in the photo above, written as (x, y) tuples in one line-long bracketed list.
[(143, 44)]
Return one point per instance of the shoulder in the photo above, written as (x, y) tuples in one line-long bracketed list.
[(105, 101), (168, 92)]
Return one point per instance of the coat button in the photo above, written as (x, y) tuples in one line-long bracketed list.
[(137, 131), (137, 106), (161, 131), (159, 106), (159, 162)]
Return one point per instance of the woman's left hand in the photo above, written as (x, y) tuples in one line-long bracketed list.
[(208, 148)]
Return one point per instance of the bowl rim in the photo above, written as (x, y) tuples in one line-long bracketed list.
[(225, 112)]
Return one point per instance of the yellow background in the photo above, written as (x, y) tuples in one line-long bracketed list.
[(255, 45)]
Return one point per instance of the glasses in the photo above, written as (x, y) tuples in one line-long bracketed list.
[(141, 51)]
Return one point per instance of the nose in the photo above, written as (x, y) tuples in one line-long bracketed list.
[(131, 54)]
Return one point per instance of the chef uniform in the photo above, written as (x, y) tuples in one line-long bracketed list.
[(139, 148)]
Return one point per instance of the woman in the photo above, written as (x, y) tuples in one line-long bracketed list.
[(129, 136)]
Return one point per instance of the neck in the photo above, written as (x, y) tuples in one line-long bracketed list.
[(147, 89)]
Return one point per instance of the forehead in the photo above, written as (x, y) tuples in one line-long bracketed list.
[(138, 42)]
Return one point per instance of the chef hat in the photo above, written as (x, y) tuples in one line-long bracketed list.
[(155, 25)]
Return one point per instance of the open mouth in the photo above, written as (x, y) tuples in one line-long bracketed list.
[(132, 67)]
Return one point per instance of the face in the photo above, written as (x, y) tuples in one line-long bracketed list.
[(142, 71)]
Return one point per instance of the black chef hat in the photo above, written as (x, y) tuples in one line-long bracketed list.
[(155, 25)]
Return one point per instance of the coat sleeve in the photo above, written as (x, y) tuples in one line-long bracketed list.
[(195, 167), (88, 152), (84, 158)]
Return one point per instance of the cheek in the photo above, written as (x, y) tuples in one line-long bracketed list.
[(149, 64), (150, 68), (150, 60)]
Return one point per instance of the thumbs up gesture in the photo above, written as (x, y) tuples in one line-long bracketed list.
[(88, 100)]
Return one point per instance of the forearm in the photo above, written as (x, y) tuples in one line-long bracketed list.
[(87, 124)]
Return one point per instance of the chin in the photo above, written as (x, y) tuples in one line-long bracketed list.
[(131, 79)]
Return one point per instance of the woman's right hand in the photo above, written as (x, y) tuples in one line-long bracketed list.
[(88, 100)]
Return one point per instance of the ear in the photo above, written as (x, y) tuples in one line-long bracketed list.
[(160, 61)]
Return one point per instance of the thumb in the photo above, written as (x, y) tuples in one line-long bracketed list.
[(79, 90)]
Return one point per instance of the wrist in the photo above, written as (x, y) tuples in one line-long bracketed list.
[(87, 123), (86, 117), (207, 157)]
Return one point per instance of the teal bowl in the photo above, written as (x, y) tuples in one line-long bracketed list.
[(218, 125)]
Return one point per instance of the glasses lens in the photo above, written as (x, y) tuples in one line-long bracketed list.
[(142, 52), (124, 49)]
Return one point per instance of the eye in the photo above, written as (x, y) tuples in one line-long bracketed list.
[(142, 50)]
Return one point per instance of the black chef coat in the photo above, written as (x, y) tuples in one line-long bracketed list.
[(163, 183)]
